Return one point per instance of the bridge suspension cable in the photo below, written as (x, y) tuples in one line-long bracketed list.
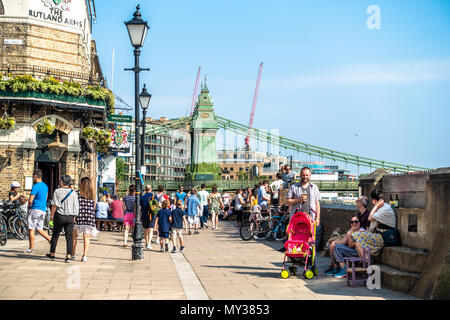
[(314, 150), (311, 150)]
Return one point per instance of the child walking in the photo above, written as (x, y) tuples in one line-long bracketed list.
[(163, 220), (177, 226)]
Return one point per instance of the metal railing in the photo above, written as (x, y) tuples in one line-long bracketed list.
[(39, 71), (240, 184)]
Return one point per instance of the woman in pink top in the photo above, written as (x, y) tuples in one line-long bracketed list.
[(117, 209)]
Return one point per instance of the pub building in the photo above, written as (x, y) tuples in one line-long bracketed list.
[(51, 88)]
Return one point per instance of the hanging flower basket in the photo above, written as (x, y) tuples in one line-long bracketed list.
[(89, 133), (45, 127), (7, 122), (100, 136)]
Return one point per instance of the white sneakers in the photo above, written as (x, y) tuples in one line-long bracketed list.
[(84, 259)]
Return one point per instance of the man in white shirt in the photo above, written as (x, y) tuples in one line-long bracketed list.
[(304, 196), (276, 186), (203, 196)]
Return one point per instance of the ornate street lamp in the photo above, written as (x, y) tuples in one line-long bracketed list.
[(137, 30), (144, 97)]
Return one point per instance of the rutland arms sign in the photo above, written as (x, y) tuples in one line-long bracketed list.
[(71, 13)]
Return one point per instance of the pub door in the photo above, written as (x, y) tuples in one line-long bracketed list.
[(50, 175)]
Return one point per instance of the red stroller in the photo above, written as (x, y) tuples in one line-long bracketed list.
[(300, 246)]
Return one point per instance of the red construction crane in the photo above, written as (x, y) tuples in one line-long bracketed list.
[(195, 91), (255, 98)]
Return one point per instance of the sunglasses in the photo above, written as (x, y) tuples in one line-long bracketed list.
[(354, 221)]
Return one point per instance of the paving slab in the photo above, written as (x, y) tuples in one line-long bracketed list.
[(216, 264)]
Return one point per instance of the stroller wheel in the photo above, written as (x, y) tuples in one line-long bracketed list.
[(316, 271), (308, 274), (284, 274)]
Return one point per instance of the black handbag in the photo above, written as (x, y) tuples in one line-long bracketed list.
[(391, 238)]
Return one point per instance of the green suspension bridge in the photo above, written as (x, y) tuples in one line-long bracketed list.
[(203, 119)]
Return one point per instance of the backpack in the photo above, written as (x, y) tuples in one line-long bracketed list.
[(154, 206)]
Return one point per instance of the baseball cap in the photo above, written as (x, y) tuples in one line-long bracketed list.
[(15, 184)]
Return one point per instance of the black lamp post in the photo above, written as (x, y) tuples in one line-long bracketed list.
[(144, 97), (137, 30)]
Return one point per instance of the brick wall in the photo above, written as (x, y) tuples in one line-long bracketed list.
[(44, 47)]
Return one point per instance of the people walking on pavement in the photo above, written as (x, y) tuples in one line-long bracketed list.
[(194, 210), (163, 219), (177, 226), (215, 207), (304, 196), (129, 217), (238, 203), (226, 204), (146, 215), (203, 196), (181, 195), (85, 221), (65, 209), (37, 202), (153, 209)]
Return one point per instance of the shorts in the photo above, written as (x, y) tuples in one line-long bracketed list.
[(164, 235), (128, 219), (36, 219), (145, 222), (176, 232), (193, 219)]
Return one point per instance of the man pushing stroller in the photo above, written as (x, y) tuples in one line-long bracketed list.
[(304, 196)]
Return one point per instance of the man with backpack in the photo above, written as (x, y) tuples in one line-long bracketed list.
[(146, 217), (154, 206)]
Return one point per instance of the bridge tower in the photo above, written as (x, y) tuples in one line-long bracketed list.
[(204, 127)]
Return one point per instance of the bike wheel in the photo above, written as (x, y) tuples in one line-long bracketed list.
[(3, 232), (247, 230), (20, 228), (263, 231), (9, 223)]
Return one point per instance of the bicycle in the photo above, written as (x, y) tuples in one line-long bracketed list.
[(277, 225), (20, 224), (16, 220), (256, 227)]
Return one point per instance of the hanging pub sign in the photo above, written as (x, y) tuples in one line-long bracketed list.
[(71, 13), (119, 140)]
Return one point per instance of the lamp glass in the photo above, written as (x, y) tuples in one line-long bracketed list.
[(137, 32), (145, 97)]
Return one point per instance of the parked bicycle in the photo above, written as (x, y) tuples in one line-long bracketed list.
[(16, 219), (276, 225), (269, 224)]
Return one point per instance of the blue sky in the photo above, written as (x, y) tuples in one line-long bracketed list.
[(328, 80)]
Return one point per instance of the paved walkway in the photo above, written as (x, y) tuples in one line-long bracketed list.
[(215, 265)]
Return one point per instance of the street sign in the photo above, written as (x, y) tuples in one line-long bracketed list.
[(119, 118)]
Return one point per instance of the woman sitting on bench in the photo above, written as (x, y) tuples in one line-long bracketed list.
[(101, 212)]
